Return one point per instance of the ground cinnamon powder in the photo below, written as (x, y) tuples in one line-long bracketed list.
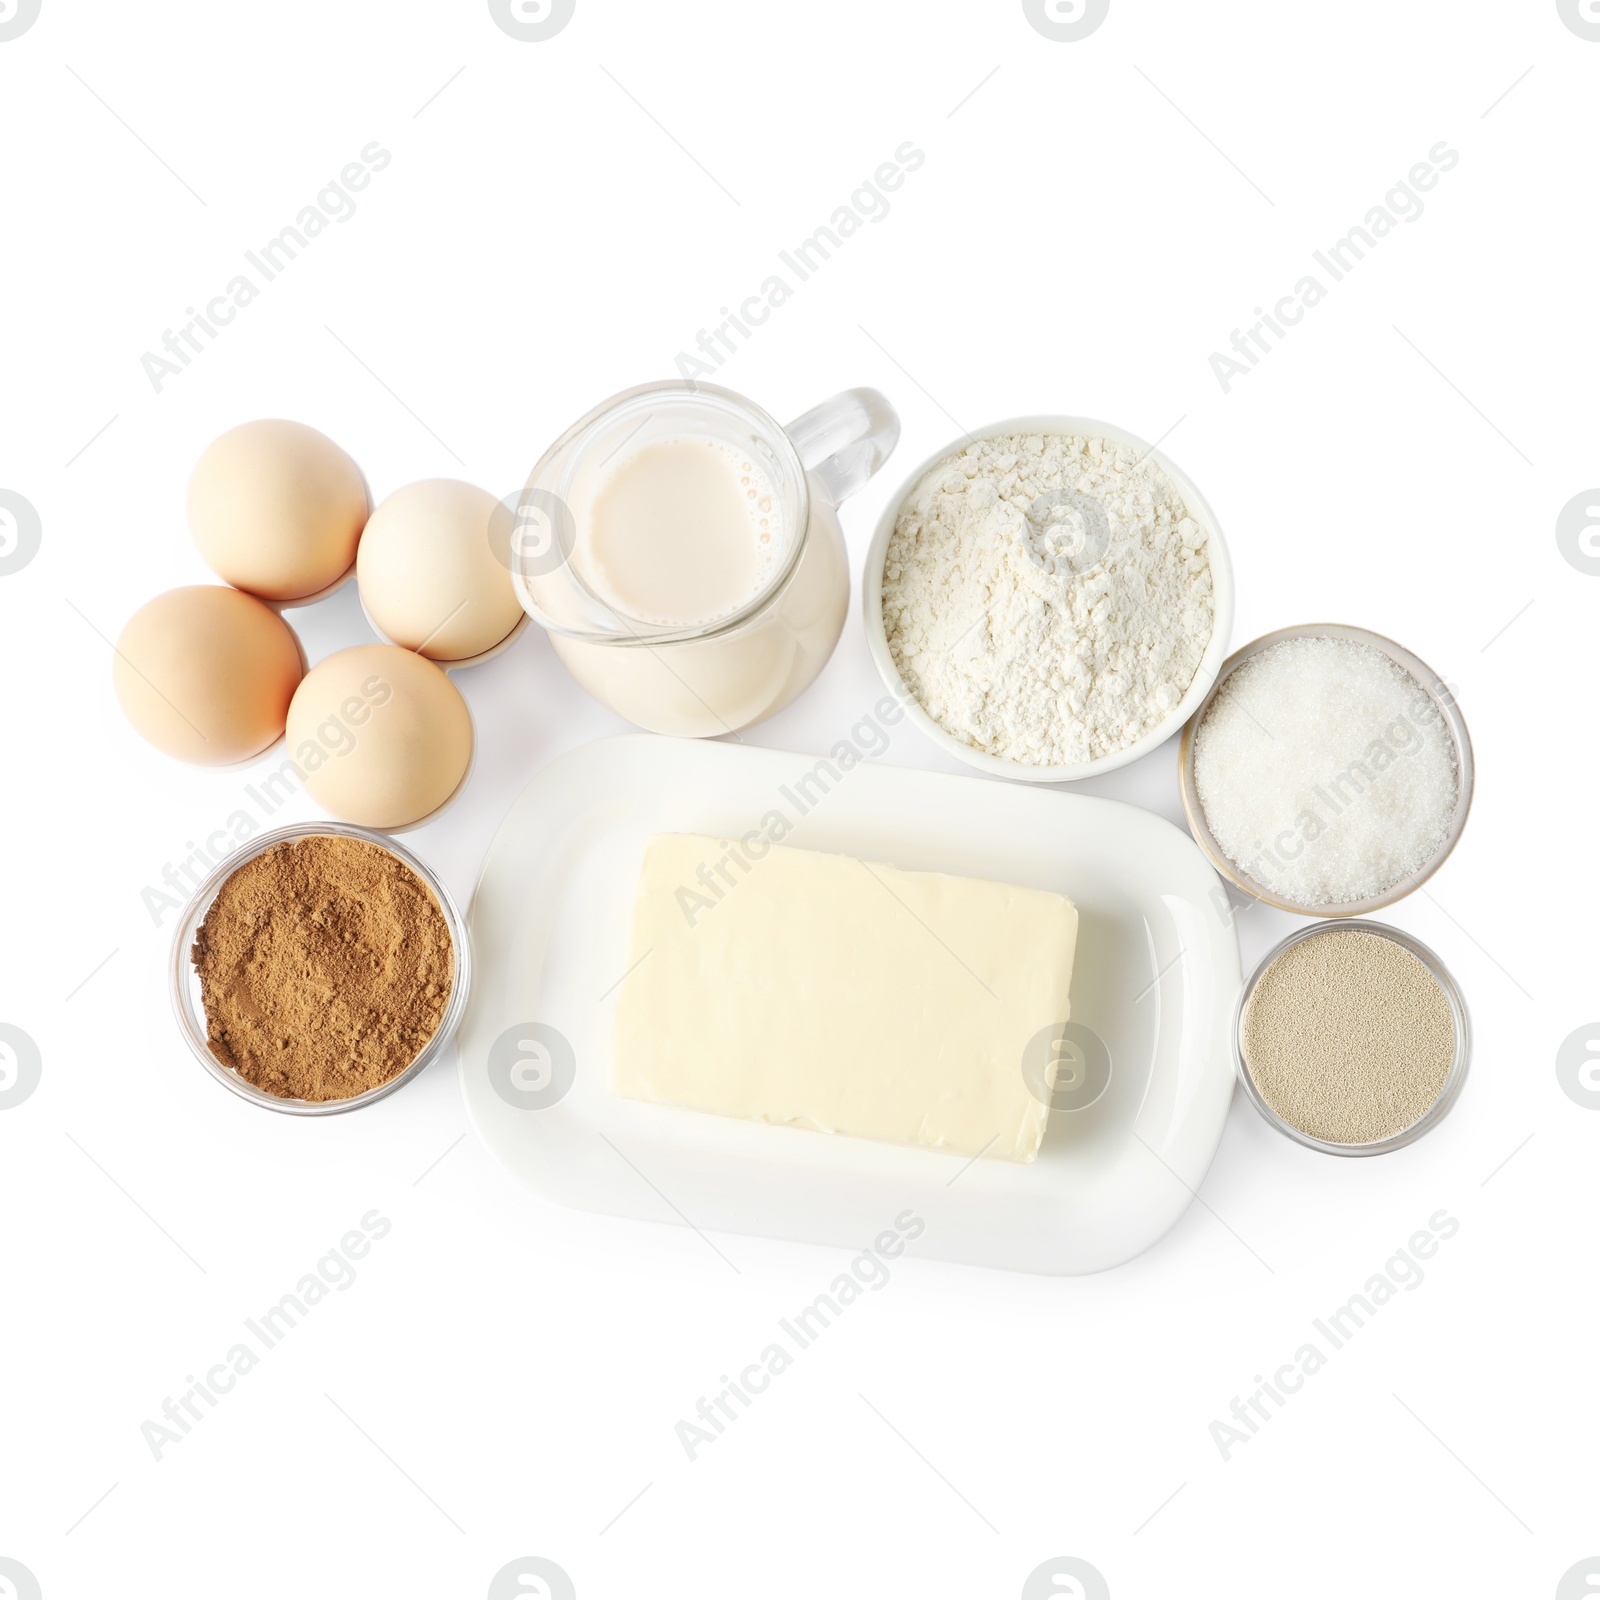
[(325, 964)]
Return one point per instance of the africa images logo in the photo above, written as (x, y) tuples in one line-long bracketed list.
[(532, 21), (1066, 21), (1582, 16), (1578, 532), (16, 17), (21, 532)]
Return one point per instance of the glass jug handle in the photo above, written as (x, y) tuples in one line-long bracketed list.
[(845, 440)]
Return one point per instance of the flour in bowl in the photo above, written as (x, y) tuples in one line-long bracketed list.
[(1047, 599)]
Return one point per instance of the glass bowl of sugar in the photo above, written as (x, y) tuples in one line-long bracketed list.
[(1328, 771)]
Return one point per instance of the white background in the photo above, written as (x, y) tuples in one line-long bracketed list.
[(557, 222)]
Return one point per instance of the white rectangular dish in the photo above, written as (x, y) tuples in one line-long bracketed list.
[(1155, 980)]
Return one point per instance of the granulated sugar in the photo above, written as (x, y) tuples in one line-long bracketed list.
[(1325, 771), (1348, 1036)]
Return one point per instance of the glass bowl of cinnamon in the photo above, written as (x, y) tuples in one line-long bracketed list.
[(318, 968)]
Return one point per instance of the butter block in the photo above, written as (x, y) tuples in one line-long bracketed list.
[(824, 992)]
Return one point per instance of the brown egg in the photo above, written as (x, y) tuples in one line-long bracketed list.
[(381, 736), (277, 509), (429, 578), (206, 674)]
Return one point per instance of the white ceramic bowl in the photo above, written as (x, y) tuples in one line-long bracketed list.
[(1210, 662)]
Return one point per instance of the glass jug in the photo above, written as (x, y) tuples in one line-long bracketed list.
[(684, 552)]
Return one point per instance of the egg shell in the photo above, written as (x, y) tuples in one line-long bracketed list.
[(381, 736), (429, 577), (206, 674), (277, 509)]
